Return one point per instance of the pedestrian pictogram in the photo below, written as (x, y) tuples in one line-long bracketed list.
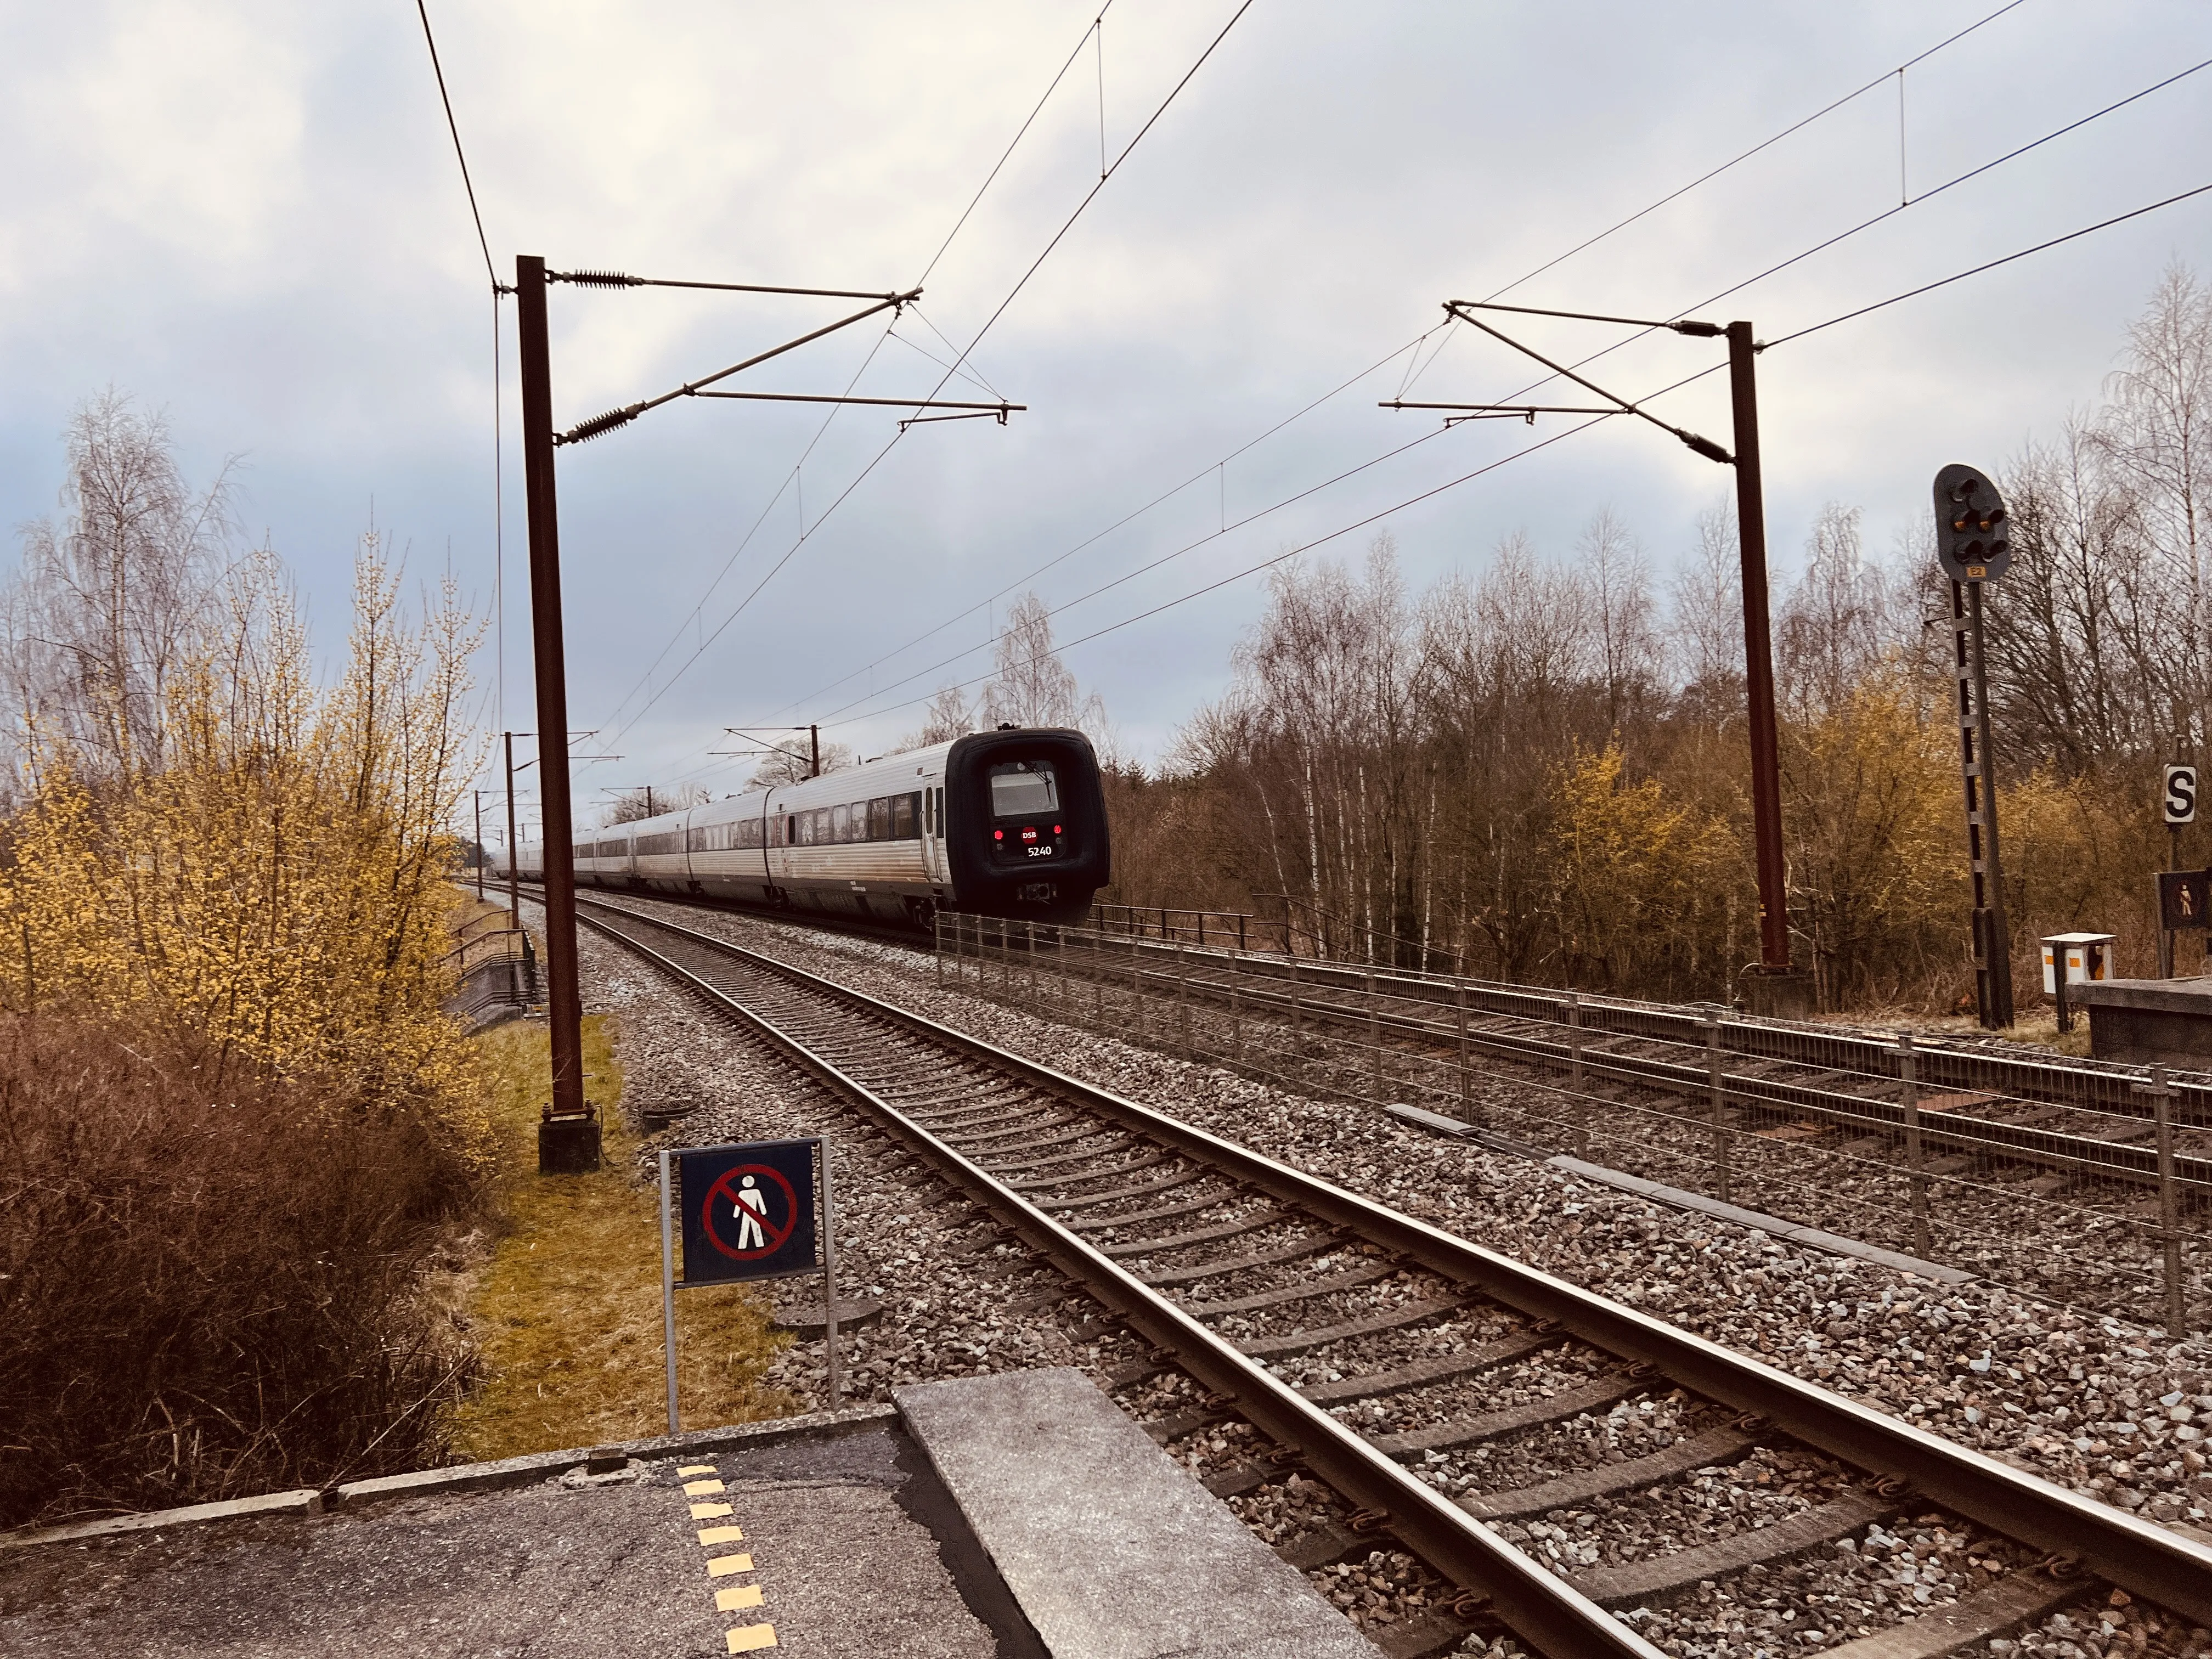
[(749, 1211), (747, 1232), (2184, 899)]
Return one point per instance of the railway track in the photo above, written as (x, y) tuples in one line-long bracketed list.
[(1443, 1391), (2089, 1121)]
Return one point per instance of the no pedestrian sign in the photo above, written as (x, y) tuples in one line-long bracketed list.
[(748, 1211)]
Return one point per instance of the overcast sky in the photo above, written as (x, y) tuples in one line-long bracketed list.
[(249, 216)]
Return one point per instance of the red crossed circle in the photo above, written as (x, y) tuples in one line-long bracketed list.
[(725, 1189)]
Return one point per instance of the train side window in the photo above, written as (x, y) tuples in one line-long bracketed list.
[(902, 816), (879, 818), (840, 823)]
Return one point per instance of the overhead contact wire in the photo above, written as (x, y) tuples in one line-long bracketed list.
[(1089, 196), (1574, 431), (1444, 333)]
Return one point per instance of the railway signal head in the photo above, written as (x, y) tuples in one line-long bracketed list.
[(1974, 536)]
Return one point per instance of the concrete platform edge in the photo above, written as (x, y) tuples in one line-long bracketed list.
[(459, 1477), (1796, 1233)]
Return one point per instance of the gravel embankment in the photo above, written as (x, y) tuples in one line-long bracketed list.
[(954, 1298), (2099, 1405)]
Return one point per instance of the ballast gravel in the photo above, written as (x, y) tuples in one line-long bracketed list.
[(2096, 1404), (957, 1300)]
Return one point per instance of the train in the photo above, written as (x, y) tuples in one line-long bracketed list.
[(1010, 823)]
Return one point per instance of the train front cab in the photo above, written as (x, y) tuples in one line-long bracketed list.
[(1026, 821)]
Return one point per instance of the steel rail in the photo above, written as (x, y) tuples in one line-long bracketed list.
[(2141, 1558), (1958, 1130), (1540, 1606), (2098, 1087)]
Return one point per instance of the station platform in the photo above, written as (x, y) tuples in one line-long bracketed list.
[(2149, 1021), (1014, 1517)]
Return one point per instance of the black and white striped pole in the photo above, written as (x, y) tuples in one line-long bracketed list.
[(1973, 543)]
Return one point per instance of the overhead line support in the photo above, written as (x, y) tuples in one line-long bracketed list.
[(598, 424), (619, 279), (1705, 446), (1777, 988), (1758, 657), (564, 1000)]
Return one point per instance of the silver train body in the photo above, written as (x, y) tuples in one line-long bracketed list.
[(1007, 823)]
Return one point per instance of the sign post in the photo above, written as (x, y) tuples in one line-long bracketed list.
[(748, 1212), (2178, 807)]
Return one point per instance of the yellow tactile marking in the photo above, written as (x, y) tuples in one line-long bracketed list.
[(721, 1534), (750, 1638), (697, 1469), (709, 1511), (744, 1595), (701, 1488), (721, 1566)]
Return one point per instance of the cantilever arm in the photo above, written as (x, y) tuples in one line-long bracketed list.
[(1705, 446)]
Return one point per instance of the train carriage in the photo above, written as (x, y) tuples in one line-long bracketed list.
[(1009, 823)]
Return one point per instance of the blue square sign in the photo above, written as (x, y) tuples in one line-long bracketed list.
[(748, 1211)]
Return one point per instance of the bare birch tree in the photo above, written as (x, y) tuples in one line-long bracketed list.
[(112, 600)]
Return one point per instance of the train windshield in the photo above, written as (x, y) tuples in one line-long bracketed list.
[(1026, 793)]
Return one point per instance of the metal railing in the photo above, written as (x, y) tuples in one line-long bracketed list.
[(1165, 922), (492, 970), (2130, 1233)]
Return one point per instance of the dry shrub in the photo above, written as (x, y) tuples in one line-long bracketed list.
[(233, 1115), (206, 1290)]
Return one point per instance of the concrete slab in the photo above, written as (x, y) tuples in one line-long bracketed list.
[(1811, 1237), (1112, 1549), (844, 1546)]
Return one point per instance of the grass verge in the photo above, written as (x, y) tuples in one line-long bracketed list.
[(566, 1310)]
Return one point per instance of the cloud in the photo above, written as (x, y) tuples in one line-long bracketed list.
[(248, 214)]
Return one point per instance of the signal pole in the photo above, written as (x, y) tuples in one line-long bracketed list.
[(1973, 545), (1991, 935), (478, 793), (564, 992)]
